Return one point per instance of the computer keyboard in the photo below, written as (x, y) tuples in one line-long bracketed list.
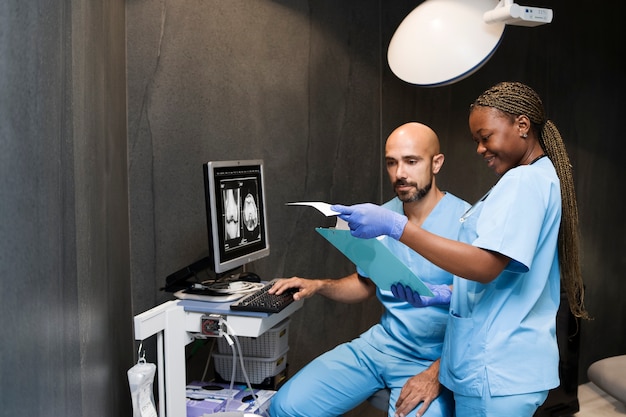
[(264, 302)]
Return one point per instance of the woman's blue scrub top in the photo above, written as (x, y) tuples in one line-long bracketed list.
[(501, 336)]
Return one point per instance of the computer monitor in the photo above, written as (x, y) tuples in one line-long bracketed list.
[(236, 213)]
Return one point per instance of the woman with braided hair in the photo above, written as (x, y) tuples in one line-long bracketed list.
[(517, 246)]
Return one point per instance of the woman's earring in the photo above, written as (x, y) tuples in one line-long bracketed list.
[(524, 135)]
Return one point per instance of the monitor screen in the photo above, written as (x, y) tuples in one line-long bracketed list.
[(236, 219)]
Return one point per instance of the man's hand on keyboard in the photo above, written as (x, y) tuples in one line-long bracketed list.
[(263, 301), (306, 287)]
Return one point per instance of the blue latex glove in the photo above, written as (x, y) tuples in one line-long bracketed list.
[(441, 295), (369, 220)]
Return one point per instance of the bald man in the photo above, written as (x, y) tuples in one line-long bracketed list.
[(402, 351)]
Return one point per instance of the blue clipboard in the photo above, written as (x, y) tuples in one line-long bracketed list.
[(375, 259)]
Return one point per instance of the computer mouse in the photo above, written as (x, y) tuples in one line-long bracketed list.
[(247, 398), (249, 277)]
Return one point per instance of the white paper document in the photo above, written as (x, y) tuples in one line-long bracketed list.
[(323, 208)]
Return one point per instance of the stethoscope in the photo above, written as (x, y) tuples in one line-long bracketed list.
[(472, 209)]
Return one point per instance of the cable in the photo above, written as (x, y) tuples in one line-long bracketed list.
[(229, 332), (234, 366), (235, 287), (208, 361)]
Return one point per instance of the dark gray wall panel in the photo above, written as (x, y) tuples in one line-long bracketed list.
[(293, 83), (64, 255)]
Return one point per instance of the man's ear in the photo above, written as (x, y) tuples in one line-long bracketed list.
[(438, 162)]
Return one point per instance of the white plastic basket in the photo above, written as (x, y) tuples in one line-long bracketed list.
[(257, 368), (268, 345)]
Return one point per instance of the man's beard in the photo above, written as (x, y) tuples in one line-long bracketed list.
[(416, 195)]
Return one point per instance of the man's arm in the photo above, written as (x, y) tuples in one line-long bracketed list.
[(349, 289), (422, 388)]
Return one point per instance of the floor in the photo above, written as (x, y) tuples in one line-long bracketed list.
[(596, 403)]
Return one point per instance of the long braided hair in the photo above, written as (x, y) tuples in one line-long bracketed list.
[(515, 99)]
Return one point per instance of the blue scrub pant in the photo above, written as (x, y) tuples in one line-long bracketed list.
[(521, 405), (344, 377)]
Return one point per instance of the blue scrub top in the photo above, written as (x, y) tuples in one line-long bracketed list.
[(404, 331), (502, 335)]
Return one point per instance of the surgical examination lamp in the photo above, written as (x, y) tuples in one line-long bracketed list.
[(443, 41)]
